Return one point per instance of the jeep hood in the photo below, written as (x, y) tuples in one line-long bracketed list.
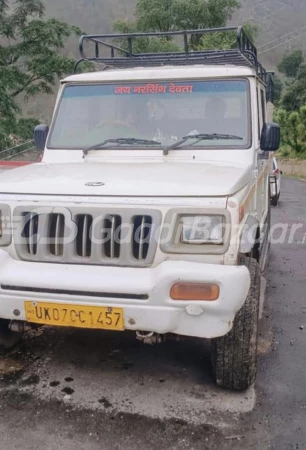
[(154, 179)]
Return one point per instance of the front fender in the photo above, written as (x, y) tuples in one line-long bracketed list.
[(248, 234)]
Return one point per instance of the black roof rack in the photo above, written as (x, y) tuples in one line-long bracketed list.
[(244, 54)]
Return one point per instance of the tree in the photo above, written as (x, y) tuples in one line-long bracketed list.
[(293, 66), (278, 88), (293, 128), (172, 15), (226, 40), (154, 15), (168, 15), (290, 63), (143, 44), (295, 95), (30, 59)]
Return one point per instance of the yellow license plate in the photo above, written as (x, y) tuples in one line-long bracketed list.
[(79, 316)]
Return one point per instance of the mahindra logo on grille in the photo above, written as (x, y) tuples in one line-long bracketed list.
[(95, 183)]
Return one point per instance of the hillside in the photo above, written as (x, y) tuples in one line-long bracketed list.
[(274, 17), (91, 15)]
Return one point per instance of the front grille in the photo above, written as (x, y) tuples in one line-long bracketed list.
[(76, 236)]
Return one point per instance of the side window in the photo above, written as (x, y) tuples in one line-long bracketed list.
[(259, 114), (261, 109), (263, 105)]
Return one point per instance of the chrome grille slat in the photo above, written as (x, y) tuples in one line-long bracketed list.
[(141, 238), (112, 233), (96, 236), (126, 251), (31, 234), (83, 241), (112, 237), (1, 224), (56, 233), (102, 236), (84, 236), (57, 236), (43, 230), (142, 234)]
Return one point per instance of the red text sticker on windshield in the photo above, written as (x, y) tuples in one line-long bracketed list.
[(154, 89)]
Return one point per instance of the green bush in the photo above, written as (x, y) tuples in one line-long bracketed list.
[(293, 131)]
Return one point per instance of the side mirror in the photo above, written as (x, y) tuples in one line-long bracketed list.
[(40, 136), (270, 137)]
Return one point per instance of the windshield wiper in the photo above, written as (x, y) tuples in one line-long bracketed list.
[(120, 141), (199, 138)]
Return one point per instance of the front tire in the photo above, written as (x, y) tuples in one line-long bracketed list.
[(234, 356), (274, 200), (8, 338)]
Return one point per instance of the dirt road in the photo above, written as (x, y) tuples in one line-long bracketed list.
[(69, 389)]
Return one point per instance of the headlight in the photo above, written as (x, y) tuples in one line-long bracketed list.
[(196, 231), (202, 230)]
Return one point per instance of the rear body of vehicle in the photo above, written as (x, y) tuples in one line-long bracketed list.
[(161, 225)]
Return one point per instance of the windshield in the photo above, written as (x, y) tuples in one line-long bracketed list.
[(162, 111)]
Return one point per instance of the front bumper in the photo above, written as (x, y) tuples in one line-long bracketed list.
[(145, 293)]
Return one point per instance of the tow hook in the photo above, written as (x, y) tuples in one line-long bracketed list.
[(19, 327), (150, 338)]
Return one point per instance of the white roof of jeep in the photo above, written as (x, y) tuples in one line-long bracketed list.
[(163, 73)]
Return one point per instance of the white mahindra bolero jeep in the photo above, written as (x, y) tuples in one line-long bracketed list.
[(150, 209)]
